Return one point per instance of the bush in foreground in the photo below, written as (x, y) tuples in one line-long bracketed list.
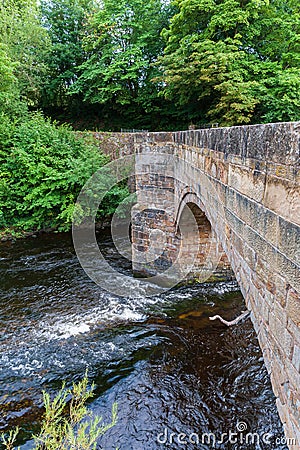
[(67, 424)]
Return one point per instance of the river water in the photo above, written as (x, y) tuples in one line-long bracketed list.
[(168, 367)]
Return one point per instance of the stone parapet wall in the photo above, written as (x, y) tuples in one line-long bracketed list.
[(115, 145)]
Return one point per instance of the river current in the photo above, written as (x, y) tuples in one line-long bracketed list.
[(178, 378)]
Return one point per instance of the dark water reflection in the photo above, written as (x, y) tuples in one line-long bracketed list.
[(169, 368)]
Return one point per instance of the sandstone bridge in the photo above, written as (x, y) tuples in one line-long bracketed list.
[(232, 195)]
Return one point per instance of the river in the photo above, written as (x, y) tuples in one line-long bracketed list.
[(168, 367)]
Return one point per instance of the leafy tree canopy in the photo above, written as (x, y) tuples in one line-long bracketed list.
[(64, 21), (238, 60), (26, 43), (122, 39)]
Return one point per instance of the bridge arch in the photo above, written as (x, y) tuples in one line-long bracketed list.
[(188, 197), (199, 238)]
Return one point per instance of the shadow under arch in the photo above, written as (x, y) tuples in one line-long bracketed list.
[(198, 237)]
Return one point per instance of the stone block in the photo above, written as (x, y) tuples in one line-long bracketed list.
[(281, 286), (284, 267), (260, 246), (293, 375), (294, 330), (288, 241), (282, 410), (265, 311), (283, 198), (278, 331), (247, 181), (236, 225), (293, 306), (296, 357)]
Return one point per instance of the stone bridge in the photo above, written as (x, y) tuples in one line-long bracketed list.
[(218, 200), (235, 194)]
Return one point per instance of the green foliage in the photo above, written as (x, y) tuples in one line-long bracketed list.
[(237, 61), (282, 96), (43, 168), (9, 440), (64, 20), (122, 39), (10, 102), (216, 75), (27, 44), (154, 65), (67, 423), (9, 92)]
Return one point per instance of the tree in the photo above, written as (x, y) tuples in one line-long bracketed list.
[(26, 44), (228, 62), (64, 20), (122, 39), (281, 95), (9, 92), (278, 46)]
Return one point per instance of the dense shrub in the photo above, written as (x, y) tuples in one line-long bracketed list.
[(42, 170)]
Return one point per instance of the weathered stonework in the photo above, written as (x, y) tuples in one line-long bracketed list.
[(242, 185), (115, 145)]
